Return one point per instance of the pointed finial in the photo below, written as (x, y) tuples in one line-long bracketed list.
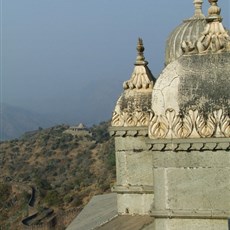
[(141, 78), (214, 38), (198, 8), (214, 11), (140, 60)]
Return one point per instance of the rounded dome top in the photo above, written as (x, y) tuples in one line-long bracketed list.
[(189, 30), (191, 97)]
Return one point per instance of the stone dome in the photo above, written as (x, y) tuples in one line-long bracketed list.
[(133, 106), (189, 30), (191, 97)]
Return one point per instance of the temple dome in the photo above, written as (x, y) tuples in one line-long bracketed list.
[(191, 97), (133, 106), (189, 30)]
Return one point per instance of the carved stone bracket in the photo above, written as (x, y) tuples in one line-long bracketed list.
[(128, 131), (192, 144), (192, 125)]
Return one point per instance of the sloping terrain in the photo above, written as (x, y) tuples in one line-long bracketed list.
[(64, 170)]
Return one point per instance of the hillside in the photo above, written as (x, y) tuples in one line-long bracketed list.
[(48, 172)]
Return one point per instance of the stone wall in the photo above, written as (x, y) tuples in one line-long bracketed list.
[(134, 184), (193, 185)]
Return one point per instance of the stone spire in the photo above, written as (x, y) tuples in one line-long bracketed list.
[(198, 9), (214, 12), (133, 106), (214, 38), (140, 60), (141, 77)]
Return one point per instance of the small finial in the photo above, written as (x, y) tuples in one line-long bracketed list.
[(140, 60), (198, 8), (214, 11)]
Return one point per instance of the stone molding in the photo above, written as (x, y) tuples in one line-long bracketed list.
[(135, 189), (192, 125), (128, 131), (191, 144), (127, 119), (204, 214)]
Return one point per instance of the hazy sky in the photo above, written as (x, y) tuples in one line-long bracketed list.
[(70, 57)]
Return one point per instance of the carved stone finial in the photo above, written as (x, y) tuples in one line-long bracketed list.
[(140, 60), (214, 11), (198, 9), (214, 37), (142, 77)]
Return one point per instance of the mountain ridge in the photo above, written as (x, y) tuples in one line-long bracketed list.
[(15, 121)]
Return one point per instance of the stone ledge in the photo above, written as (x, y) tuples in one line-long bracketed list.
[(128, 131), (191, 144), (196, 214), (138, 189)]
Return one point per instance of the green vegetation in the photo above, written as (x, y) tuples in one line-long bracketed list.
[(66, 171)]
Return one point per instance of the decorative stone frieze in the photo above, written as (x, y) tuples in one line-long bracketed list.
[(126, 119), (214, 38), (192, 125)]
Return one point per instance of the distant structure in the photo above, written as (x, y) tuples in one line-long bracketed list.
[(172, 135), (79, 130)]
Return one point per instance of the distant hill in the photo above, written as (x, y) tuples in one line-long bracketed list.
[(64, 170), (15, 121)]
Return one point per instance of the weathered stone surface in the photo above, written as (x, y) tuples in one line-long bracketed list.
[(183, 159), (193, 189), (131, 204), (194, 82), (191, 98), (134, 168), (188, 224), (128, 143)]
